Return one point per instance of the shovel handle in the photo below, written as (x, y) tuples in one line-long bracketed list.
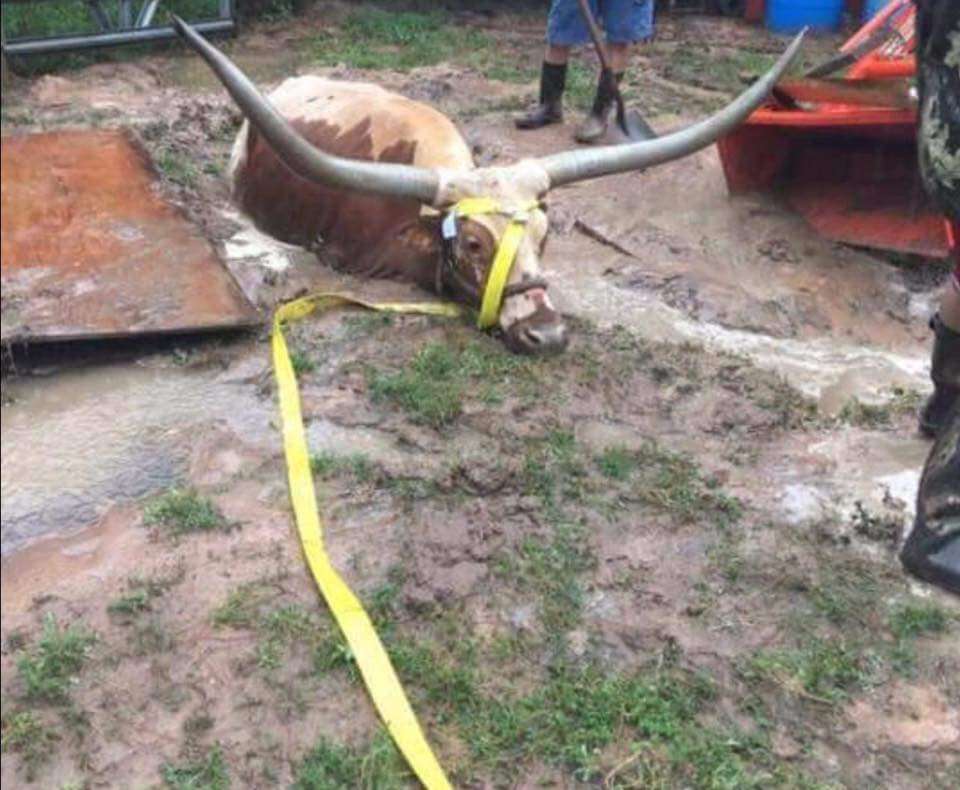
[(595, 34), (607, 74)]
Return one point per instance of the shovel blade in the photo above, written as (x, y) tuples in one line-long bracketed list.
[(636, 128), (630, 128)]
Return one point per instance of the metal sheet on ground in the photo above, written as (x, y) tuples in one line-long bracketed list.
[(90, 249)]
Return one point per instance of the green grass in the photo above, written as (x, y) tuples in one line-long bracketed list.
[(281, 628), (872, 416), (721, 70), (251, 607), (434, 385), (142, 592), (673, 483), (182, 511), (130, 605), (552, 568), (410, 489), (68, 16), (374, 38), (366, 323), (50, 668), (572, 717), (150, 638), (329, 766), (845, 592), (302, 362), (910, 619), (23, 733), (210, 773), (358, 466), (827, 671), (178, 167), (617, 463), (554, 470)]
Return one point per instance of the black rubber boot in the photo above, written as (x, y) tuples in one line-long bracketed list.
[(595, 125), (932, 549), (553, 80), (945, 373)]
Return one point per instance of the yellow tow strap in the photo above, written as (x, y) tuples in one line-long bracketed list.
[(372, 660), (374, 664)]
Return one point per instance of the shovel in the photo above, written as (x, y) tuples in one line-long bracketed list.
[(630, 122)]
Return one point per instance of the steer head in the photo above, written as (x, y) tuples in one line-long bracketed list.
[(523, 310)]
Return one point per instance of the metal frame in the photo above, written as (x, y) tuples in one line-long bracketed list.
[(132, 26)]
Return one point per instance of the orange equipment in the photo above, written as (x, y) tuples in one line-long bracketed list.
[(842, 152)]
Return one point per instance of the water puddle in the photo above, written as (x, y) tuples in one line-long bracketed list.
[(878, 471), (77, 442), (822, 368)]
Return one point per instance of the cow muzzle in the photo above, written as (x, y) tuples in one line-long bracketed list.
[(541, 332)]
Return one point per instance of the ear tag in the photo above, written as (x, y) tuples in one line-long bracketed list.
[(449, 226)]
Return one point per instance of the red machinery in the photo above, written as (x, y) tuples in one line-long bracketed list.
[(842, 152)]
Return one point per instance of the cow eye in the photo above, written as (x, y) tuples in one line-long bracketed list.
[(474, 246)]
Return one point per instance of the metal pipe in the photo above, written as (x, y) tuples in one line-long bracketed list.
[(125, 21), (99, 16), (145, 17), (42, 46)]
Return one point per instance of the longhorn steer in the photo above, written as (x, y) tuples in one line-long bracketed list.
[(372, 176)]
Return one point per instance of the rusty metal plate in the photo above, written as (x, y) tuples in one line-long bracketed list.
[(90, 249)]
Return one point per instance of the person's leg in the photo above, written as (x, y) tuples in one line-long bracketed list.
[(556, 55), (565, 28), (625, 22), (932, 549), (945, 360)]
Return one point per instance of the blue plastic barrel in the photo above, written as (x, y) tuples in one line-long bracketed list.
[(871, 8), (789, 16)]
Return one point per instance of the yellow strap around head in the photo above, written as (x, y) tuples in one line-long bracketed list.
[(371, 657), (499, 272), (506, 251)]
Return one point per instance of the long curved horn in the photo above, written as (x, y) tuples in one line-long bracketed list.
[(570, 166), (299, 155)]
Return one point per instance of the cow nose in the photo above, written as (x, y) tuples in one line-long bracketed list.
[(544, 338)]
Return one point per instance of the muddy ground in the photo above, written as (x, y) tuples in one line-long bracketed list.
[(663, 559)]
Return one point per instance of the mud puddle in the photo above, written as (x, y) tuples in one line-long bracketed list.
[(75, 443), (833, 475)]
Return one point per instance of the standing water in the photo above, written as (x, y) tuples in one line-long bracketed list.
[(75, 443)]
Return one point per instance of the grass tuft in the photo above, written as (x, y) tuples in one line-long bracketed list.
[(327, 465), (329, 766), (913, 619), (183, 511), (435, 384), (825, 671), (50, 668), (24, 734), (210, 773), (374, 38), (617, 463)]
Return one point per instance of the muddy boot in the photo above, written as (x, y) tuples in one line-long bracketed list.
[(932, 549), (595, 125), (553, 80), (945, 372)]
